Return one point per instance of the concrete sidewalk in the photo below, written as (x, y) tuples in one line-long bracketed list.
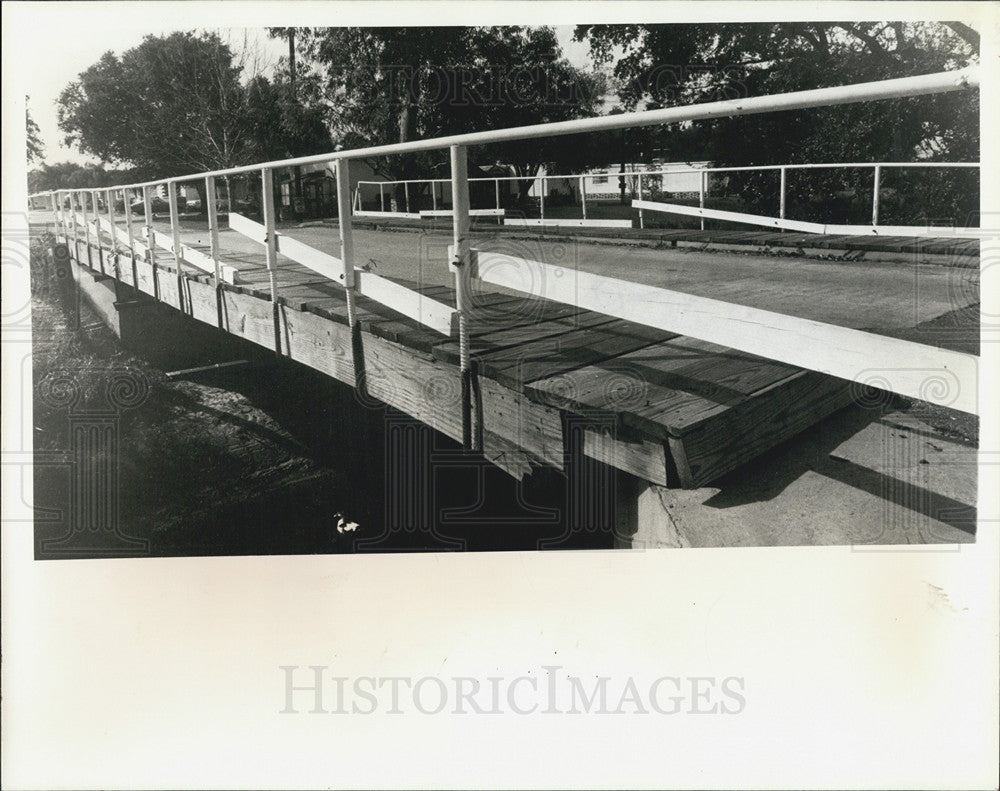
[(860, 477)]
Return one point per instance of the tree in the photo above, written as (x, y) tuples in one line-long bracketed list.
[(70, 175), (389, 85), (738, 60), (36, 151), (176, 104)]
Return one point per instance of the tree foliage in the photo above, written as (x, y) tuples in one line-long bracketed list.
[(70, 175), (666, 65), (390, 85), (185, 103), (35, 149)]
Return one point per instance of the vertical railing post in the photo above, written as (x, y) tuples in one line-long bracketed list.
[(54, 202), (64, 215), (88, 196), (434, 195), (462, 266), (212, 210), (542, 204), (130, 230), (406, 195), (583, 196), (147, 209), (875, 194), (381, 195), (271, 250), (113, 248), (79, 224), (86, 227), (346, 238), (702, 186), (175, 237), (642, 223), (74, 224), (784, 192), (95, 205), (496, 190), (350, 277)]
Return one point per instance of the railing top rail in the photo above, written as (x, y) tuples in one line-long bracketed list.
[(939, 82)]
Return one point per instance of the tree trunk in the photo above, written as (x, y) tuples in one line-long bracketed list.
[(199, 185)]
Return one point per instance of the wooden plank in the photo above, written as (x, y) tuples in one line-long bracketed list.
[(533, 432), (558, 354), (809, 227), (928, 373), (396, 375), (664, 389), (490, 340), (755, 425), (647, 459)]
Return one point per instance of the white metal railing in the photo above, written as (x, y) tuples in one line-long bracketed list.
[(543, 179), (854, 350)]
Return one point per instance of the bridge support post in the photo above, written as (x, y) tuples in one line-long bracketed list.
[(642, 515)]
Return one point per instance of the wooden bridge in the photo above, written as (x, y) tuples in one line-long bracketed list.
[(527, 360)]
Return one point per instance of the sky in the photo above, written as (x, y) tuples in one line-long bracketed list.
[(66, 53)]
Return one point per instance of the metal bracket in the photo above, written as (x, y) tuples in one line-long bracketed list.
[(467, 263)]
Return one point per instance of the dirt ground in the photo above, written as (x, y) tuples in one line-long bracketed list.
[(261, 459), (193, 469)]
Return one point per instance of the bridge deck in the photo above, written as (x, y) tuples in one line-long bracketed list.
[(670, 409)]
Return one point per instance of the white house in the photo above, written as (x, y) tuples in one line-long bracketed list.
[(602, 183)]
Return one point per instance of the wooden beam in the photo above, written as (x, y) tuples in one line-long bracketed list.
[(424, 310), (927, 373), (808, 227), (518, 432), (714, 447)]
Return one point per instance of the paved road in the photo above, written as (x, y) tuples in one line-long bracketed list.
[(853, 294)]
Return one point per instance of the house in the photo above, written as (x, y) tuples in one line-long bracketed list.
[(602, 183)]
